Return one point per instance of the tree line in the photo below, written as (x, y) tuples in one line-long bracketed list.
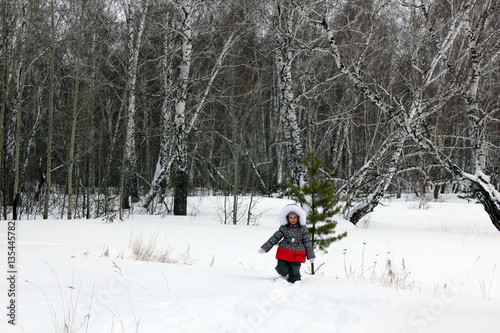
[(140, 103)]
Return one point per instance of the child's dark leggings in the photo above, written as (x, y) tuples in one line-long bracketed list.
[(292, 269)]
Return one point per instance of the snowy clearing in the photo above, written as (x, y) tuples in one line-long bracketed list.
[(403, 269)]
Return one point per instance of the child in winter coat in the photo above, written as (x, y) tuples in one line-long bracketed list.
[(294, 243)]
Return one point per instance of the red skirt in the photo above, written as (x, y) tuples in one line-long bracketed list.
[(290, 255)]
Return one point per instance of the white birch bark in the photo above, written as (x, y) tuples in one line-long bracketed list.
[(165, 158), (13, 65), (176, 130), (287, 104), (179, 125), (411, 120), (480, 181), (136, 17), (349, 191), (364, 207)]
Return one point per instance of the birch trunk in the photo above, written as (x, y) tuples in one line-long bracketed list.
[(18, 106), (135, 16), (235, 150), (90, 143), (411, 120), (480, 182), (181, 176), (287, 103), (162, 175), (177, 129), (51, 113), (10, 48), (373, 199), (350, 190), (75, 118)]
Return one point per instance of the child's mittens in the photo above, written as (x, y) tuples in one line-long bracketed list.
[(261, 250)]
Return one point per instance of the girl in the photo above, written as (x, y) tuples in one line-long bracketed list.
[(294, 243)]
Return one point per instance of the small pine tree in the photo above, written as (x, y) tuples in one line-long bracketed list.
[(319, 195)]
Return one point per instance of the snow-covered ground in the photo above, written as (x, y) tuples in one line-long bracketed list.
[(407, 270)]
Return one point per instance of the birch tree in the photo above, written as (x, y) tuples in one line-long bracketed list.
[(180, 124), (11, 29), (287, 103), (379, 165), (483, 52), (18, 103), (75, 114), (426, 100), (179, 121), (159, 187), (50, 111), (136, 12)]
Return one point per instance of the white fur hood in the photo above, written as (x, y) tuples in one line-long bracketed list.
[(292, 208)]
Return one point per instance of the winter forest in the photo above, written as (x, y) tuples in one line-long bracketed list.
[(120, 105)]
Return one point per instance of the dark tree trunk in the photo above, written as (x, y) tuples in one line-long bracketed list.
[(180, 192), (436, 191), (490, 204)]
